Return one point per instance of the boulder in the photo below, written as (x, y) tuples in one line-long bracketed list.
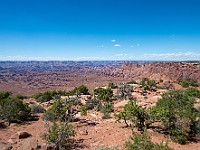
[(23, 134)]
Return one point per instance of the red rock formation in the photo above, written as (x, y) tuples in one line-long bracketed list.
[(161, 70)]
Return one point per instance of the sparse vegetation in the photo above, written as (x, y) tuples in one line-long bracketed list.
[(12, 108), (48, 95), (104, 94), (124, 91), (59, 135), (193, 92), (58, 111), (134, 115), (112, 85), (83, 111), (148, 84), (168, 86), (177, 114), (4, 95), (92, 103), (187, 82), (81, 90), (106, 109), (37, 109), (132, 82), (143, 142)]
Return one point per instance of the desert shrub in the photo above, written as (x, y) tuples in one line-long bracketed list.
[(106, 109), (74, 101), (192, 92), (37, 109), (49, 95), (112, 85), (83, 111), (59, 135), (19, 96), (143, 142), (124, 91), (61, 110), (132, 82), (13, 109), (148, 84), (82, 90), (104, 94), (4, 95), (56, 112), (92, 103), (106, 115), (134, 114), (177, 114), (42, 97), (187, 82)]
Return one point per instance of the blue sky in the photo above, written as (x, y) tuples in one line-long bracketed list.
[(99, 30)]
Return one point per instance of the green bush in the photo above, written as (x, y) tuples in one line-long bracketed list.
[(37, 109), (49, 95), (61, 110), (82, 90), (106, 109), (135, 114), (187, 82), (55, 112), (19, 96), (132, 82), (143, 142), (194, 92), (104, 94), (4, 95), (13, 109), (112, 85), (83, 111), (178, 116), (148, 84), (59, 135), (92, 103)]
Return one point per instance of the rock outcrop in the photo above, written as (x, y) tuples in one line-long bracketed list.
[(159, 70)]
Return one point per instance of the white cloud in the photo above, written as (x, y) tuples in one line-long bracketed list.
[(117, 45), (24, 58), (89, 58), (138, 45), (178, 55), (121, 55), (113, 41), (132, 46)]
